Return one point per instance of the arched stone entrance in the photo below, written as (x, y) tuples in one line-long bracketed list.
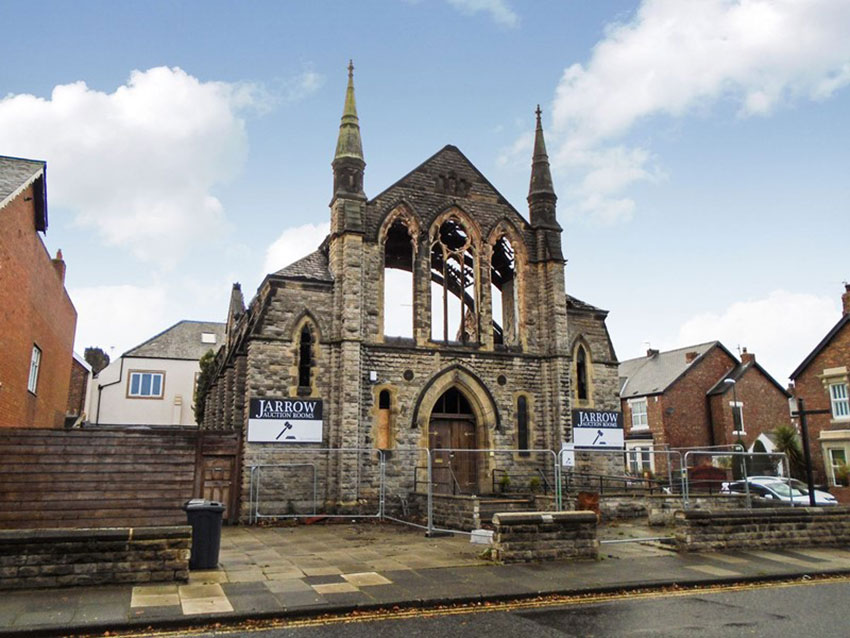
[(452, 428), (456, 411)]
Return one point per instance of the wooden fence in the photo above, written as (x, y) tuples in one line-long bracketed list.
[(107, 477)]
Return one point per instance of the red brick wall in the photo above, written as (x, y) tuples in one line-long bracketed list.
[(77, 389), (810, 388), (685, 414), (34, 309), (765, 408)]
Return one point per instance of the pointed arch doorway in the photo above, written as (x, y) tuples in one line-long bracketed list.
[(451, 430)]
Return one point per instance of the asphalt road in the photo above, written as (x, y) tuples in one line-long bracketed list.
[(816, 609)]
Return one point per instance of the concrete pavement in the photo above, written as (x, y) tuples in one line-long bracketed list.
[(307, 570)]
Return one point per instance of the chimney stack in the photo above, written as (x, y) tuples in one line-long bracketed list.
[(59, 265), (845, 299), (651, 352), (690, 356), (747, 357)]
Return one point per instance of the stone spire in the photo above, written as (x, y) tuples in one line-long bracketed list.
[(348, 161), (541, 178), (541, 193), (348, 144)]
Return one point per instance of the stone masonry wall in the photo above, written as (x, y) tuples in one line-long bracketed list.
[(539, 536), (704, 530), (65, 557)]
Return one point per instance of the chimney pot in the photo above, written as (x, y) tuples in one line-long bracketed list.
[(650, 352)]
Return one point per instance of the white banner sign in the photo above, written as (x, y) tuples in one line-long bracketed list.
[(285, 420), (598, 429)]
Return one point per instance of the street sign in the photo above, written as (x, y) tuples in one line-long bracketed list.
[(568, 454), (598, 429)]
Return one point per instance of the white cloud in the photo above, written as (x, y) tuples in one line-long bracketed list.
[(117, 318), (500, 10), (302, 86), (293, 244), (673, 58), (780, 329), (139, 164)]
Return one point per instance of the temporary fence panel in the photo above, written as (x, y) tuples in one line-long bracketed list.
[(405, 481), (576, 477), (328, 482), (688, 481)]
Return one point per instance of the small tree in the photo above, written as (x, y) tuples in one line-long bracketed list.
[(205, 378), (96, 358), (788, 442)]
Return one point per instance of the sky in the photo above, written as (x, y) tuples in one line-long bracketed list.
[(699, 149)]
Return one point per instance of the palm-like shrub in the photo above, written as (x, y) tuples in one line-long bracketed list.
[(787, 441)]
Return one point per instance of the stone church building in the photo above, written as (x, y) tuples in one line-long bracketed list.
[(487, 353)]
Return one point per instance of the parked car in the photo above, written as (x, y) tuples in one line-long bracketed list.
[(774, 487)]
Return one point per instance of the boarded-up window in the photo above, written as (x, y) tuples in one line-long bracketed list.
[(384, 434)]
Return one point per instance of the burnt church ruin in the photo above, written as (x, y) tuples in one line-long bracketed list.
[(433, 316)]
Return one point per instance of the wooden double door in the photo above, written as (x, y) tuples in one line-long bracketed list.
[(453, 470)]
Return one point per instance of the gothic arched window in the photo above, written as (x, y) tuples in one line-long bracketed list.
[(582, 386), (398, 281), (522, 437), (454, 307), (503, 286), (305, 357)]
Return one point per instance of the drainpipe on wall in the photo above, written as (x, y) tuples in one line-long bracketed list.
[(100, 388)]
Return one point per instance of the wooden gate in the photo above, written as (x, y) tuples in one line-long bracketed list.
[(217, 469)]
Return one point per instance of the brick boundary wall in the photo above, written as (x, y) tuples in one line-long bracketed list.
[(703, 530), (64, 557), (522, 537)]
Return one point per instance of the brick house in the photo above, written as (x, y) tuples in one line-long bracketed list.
[(434, 315), (697, 396), (821, 380), (37, 318), (78, 391)]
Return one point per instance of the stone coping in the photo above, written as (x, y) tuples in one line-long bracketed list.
[(27, 536), (537, 518), (796, 513)]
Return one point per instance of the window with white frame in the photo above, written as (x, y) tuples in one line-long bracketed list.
[(208, 337), (639, 458), (35, 364), (839, 401), (737, 417), (837, 460), (145, 385), (639, 419)]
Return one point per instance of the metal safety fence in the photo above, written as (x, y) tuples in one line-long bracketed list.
[(439, 490), (458, 489)]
